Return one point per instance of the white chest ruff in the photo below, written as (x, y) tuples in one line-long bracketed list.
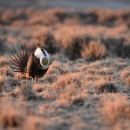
[(39, 54)]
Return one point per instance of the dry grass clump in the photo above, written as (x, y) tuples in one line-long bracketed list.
[(11, 15), (2, 83), (73, 97), (116, 110), (78, 100), (15, 93), (94, 50), (73, 51), (19, 76), (38, 87), (85, 47), (68, 89), (125, 75), (50, 78), (14, 115), (7, 16), (36, 123), (26, 91), (3, 61), (45, 39), (64, 80), (11, 115), (13, 82), (127, 81), (121, 48), (46, 18), (112, 43), (2, 45), (107, 87), (6, 70), (117, 47)]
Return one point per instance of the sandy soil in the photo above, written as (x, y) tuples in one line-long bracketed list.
[(87, 87)]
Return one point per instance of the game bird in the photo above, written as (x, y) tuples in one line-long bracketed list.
[(31, 64)]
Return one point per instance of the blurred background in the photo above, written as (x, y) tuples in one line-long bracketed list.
[(78, 4)]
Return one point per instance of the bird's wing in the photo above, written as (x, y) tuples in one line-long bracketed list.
[(33, 66), (20, 59)]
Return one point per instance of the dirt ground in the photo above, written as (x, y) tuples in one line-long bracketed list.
[(87, 87)]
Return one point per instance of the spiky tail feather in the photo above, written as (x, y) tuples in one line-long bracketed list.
[(20, 59)]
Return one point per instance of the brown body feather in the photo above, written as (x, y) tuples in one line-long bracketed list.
[(33, 66)]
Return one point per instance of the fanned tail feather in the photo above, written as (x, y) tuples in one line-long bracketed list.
[(20, 59)]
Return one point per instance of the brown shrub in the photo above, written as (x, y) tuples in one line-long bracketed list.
[(117, 46), (78, 100), (71, 96), (11, 115), (64, 80), (38, 87), (73, 51), (112, 43), (107, 87), (7, 16), (69, 90), (2, 46), (116, 109), (50, 78), (13, 82), (5, 70), (26, 91), (2, 83), (3, 61), (94, 50), (46, 40), (35, 123), (11, 15), (15, 92), (125, 75), (122, 50)]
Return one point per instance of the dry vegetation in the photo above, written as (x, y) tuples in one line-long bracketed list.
[(88, 84)]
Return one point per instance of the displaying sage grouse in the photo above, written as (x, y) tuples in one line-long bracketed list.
[(30, 64)]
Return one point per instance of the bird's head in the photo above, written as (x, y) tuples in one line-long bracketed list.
[(44, 57)]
